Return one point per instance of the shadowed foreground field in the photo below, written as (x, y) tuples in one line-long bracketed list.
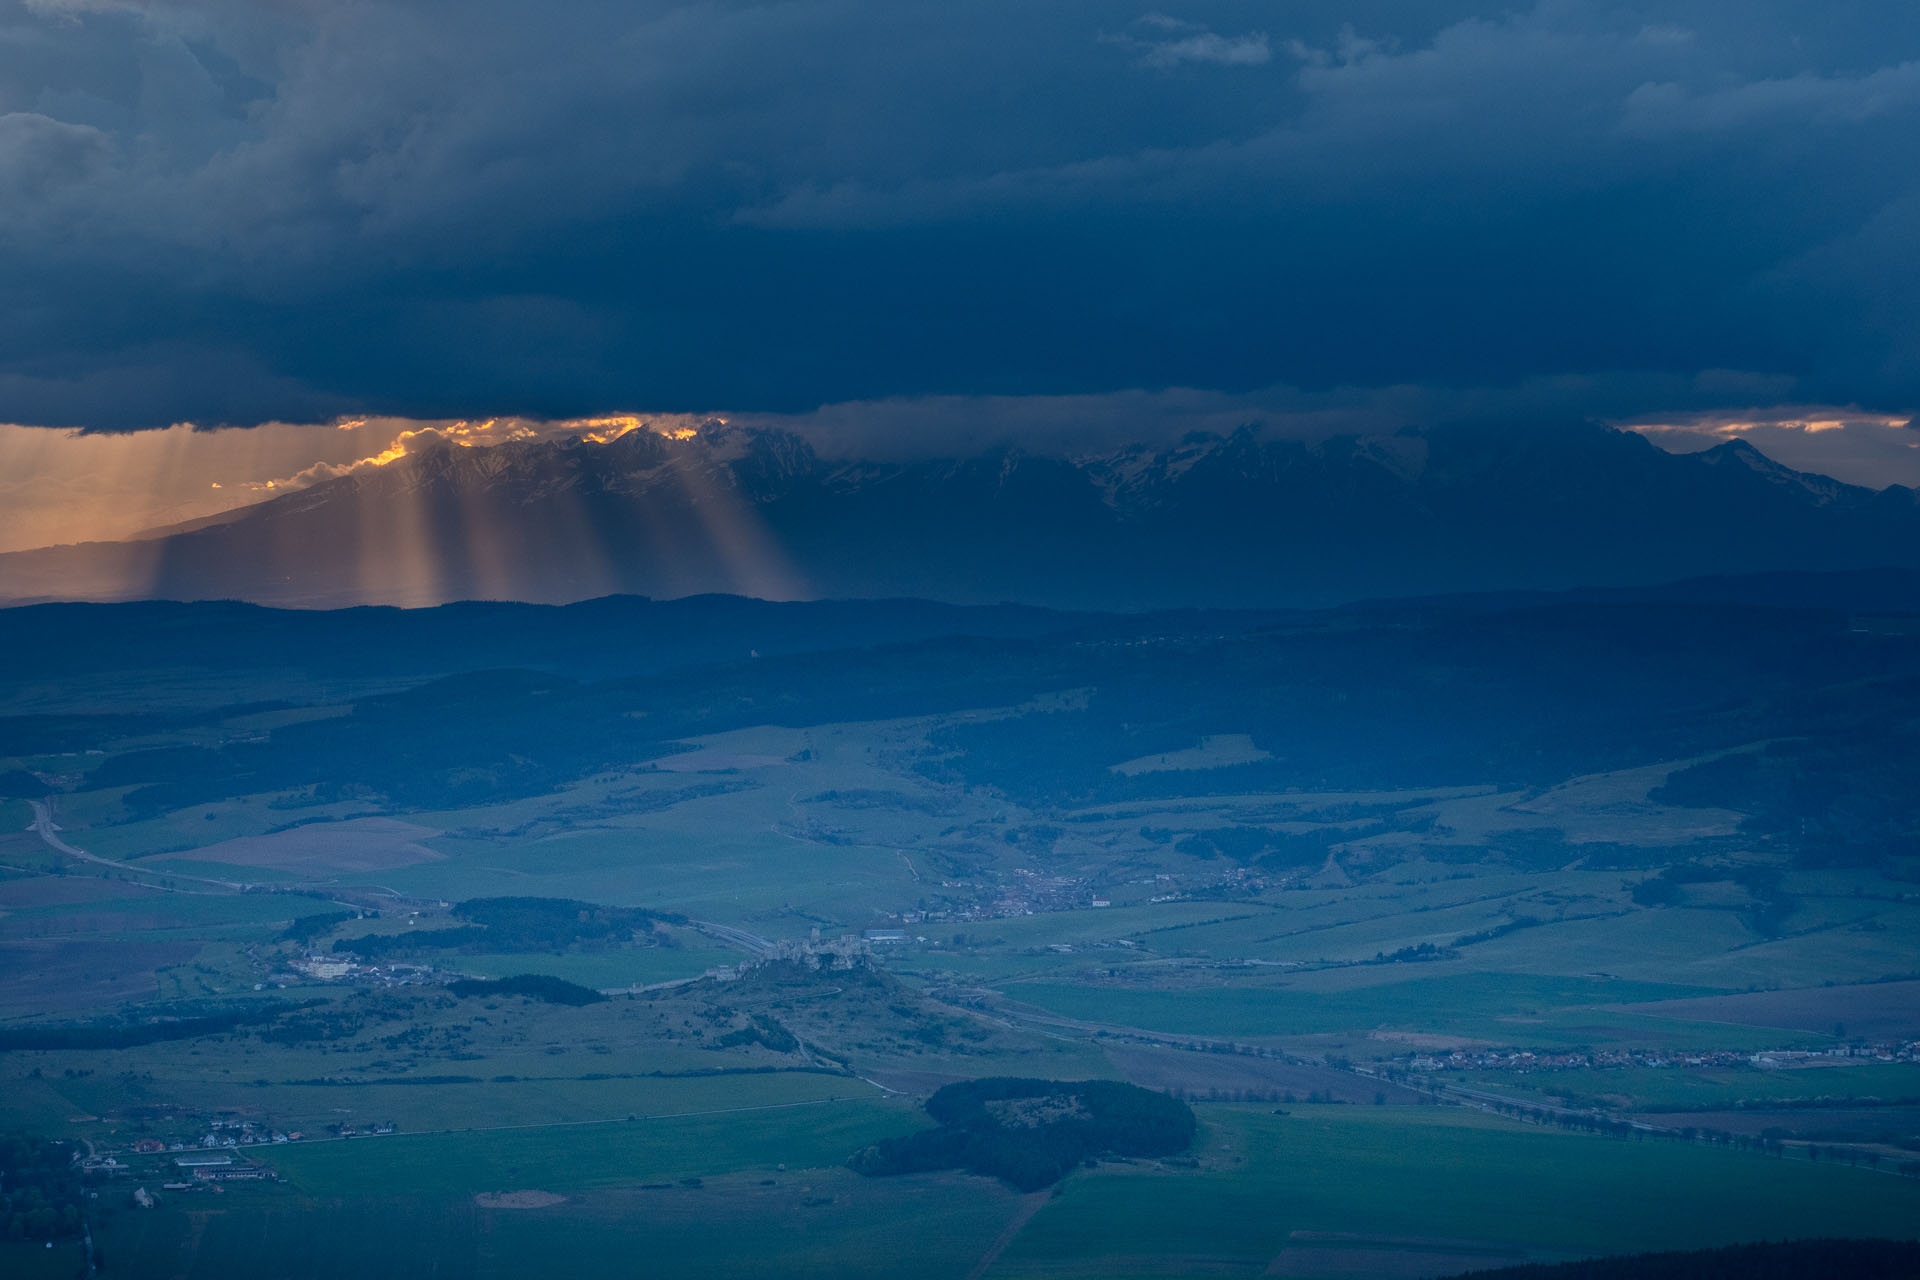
[(1384, 1191), (1322, 1191)]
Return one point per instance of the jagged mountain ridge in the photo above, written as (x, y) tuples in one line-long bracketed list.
[(1233, 520)]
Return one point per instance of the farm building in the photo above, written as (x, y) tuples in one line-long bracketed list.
[(198, 1160)]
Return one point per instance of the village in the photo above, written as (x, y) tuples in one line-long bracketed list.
[(1525, 1061), (217, 1158)]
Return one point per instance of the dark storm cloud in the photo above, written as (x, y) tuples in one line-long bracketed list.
[(228, 212)]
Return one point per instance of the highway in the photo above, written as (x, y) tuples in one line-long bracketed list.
[(733, 937), (49, 831)]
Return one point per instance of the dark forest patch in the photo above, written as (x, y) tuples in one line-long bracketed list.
[(534, 986), (1031, 1133)]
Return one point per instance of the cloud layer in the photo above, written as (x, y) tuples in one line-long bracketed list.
[(244, 211)]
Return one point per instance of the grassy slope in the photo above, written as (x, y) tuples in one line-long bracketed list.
[(1440, 1173), (404, 1205)]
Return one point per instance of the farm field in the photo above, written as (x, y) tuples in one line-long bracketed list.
[(69, 977), (1331, 1191), (731, 1185), (1875, 1011), (1499, 1007), (1322, 1191), (1704, 1088), (356, 846), (735, 1133), (24, 1260), (810, 1223), (433, 1104)]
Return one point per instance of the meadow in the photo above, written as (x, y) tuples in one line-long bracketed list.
[(1711, 1089), (1495, 1007), (1320, 1191), (1390, 1190)]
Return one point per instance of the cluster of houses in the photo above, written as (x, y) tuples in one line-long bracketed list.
[(1233, 882), (216, 1157), (321, 967), (1892, 1051), (1022, 892), (1523, 1060), (224, 1133), (192, 1169), (380, 1130)]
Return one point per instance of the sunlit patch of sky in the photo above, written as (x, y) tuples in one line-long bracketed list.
[(66, 486), (1871, 449)]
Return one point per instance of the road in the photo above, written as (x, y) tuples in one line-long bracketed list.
[(751, 942), (1006, 1012), (1486, 1100), (49, 831)]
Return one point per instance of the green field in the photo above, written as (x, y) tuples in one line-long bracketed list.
[(21, 1260), (531, 1099), (731, 1135), (1372, 1188), (813, 1223), (1709, 1088), (1375, 1179), (1505, 1008), (770, 1195)]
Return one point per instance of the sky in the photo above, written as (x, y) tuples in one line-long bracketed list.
[(303, 211)]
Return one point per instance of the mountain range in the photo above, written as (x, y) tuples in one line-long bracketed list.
[(1233, 520)]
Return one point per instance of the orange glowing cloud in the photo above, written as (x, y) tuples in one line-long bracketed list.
[(1858, 447), (63, 486), (466, 433)]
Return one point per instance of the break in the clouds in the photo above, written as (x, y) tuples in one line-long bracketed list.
[(1871, 449), (234, 211), (74, 486)]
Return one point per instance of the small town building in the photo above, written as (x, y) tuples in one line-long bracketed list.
[(198, 1160), (327, 968)]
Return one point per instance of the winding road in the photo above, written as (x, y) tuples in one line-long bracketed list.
[(49, 831)]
